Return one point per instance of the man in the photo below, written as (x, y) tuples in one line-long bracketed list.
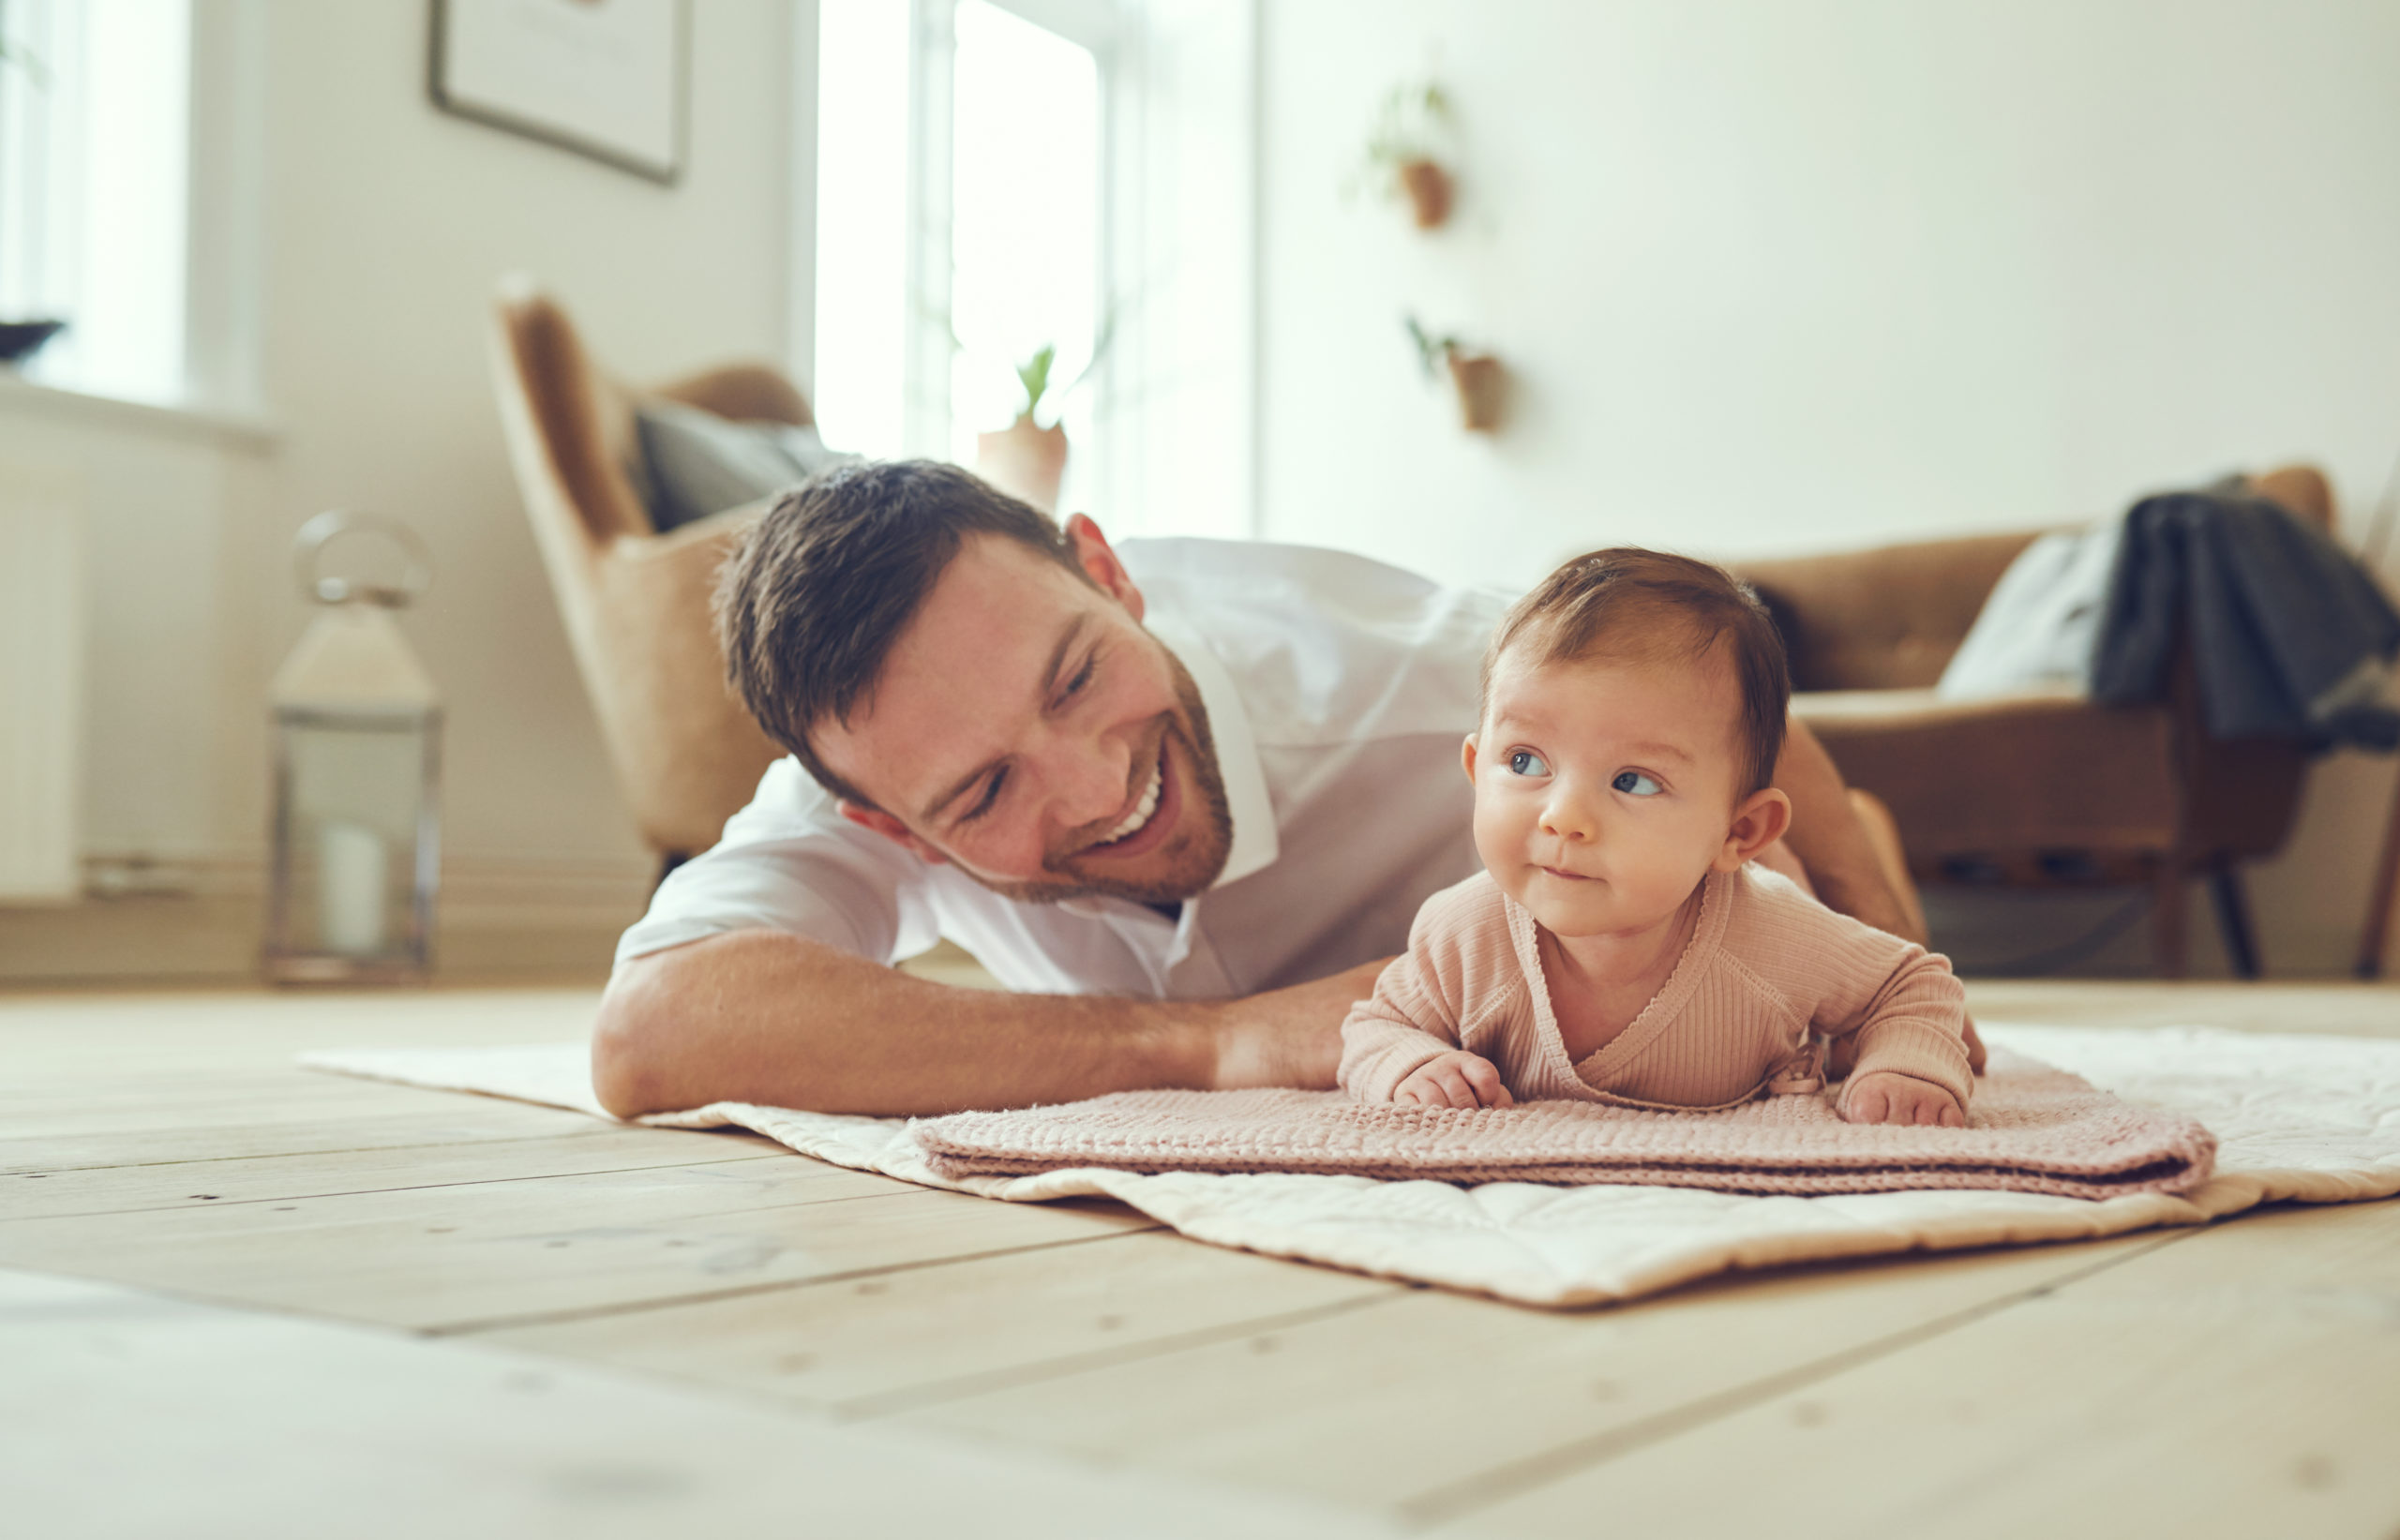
[(1181, 800)]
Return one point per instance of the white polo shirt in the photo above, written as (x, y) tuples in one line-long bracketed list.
[(1337, 689)]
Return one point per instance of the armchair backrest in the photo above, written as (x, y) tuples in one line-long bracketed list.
[(1890, 619), (635, 603)]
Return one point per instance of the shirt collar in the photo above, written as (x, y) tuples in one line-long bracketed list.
[(1254, 844)]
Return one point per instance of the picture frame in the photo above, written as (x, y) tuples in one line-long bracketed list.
[(607, 78)]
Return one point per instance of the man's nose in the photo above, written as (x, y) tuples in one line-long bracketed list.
[(1089, 775)]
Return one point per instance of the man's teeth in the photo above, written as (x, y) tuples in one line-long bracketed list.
[(1142, 809)]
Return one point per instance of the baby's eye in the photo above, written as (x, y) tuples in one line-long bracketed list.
[(1526, 762), (1635, 783)]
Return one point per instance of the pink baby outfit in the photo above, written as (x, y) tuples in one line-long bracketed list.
[(1769, 972)]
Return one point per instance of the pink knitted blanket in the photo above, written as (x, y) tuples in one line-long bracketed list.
[(2032, 1129)]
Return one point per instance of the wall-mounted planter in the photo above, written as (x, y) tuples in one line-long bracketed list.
[(1430, 191), (1482, 384)]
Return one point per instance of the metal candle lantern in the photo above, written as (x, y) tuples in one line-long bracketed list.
[(357, 761)]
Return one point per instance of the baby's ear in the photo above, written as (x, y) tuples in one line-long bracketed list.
[(1758, 822), (1467, 757)]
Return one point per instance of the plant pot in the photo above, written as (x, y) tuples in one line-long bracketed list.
[(1482, 384), (1429, 191), (1025, 461)]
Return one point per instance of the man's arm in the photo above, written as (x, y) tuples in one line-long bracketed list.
[(766, 1017), (1831, 841)]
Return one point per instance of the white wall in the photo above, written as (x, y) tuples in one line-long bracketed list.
[(386, 225), (381, 227), (1778, 276)]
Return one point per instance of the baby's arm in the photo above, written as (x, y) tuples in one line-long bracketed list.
[(1401, 1044), (1404, 1042), (1906, 1013)]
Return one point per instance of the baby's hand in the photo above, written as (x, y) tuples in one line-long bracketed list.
[(1456, 1079), (1883, 1096)]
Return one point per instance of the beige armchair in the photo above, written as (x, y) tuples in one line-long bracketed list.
[(635, 602)]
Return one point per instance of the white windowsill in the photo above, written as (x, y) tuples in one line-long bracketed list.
[(251, 430)]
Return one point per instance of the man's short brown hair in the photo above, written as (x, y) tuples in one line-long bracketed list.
[(816, 595), (1658, 607)]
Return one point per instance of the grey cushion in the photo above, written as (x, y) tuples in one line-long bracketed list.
[(695, 463)]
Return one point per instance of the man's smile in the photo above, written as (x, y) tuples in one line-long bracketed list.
[(1149, 819)]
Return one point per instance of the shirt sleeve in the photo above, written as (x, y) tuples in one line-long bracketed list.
[(1413, 1017), (790, 861)]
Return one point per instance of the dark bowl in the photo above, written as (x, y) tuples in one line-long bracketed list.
[(21, 339)]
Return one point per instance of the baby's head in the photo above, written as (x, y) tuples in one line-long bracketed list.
[(1633, 707)]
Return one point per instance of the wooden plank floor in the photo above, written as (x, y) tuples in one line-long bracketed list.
[(2241, 1380)]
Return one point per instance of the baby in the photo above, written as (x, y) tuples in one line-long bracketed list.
[(1619, 945)]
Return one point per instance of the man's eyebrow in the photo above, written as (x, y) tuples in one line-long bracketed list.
[(1049, 686)]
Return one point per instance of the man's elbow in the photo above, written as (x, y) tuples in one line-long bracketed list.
[(630, 1072)]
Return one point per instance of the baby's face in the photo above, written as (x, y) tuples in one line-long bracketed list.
[(1604, 790)]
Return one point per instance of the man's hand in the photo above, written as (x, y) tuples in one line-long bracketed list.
[(1456, 1079), (1883, 1096), (1288, 1037)]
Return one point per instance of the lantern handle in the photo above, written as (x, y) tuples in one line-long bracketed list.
[(309, 546)]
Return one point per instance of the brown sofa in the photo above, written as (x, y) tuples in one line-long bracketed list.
[(635, 603), (2037, 790)]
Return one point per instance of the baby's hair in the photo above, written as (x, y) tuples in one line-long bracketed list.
[(1656, 608)]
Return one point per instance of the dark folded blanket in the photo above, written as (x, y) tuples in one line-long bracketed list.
[(2291, 637)]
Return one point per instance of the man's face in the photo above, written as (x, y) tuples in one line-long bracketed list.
[(1027, 730)]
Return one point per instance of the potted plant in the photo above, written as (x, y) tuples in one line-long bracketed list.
[(1481, 379), (1401, 150), (1025, 459)]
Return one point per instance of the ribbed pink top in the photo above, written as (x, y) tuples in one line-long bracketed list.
[(1768, 972)]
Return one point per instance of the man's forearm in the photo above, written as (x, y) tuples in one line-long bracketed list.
[(1831, 841), (765, 1017)]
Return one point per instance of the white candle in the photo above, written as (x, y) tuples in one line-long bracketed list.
[(349, 889)]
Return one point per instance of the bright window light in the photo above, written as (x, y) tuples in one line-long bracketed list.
[(859, 392), (95, 179), (1025, 220)]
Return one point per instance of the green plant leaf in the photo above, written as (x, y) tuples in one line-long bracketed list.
[(1034, 374)]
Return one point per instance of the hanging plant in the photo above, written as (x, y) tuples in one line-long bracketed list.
[(1403, 156), (1481, 379)]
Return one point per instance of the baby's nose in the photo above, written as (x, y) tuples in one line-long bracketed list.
[(1565, 820)]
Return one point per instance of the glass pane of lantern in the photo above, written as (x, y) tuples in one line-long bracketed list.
[(357, 791)]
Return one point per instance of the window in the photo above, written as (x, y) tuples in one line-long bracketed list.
[(996, 177), (959, 205), (95, 150)]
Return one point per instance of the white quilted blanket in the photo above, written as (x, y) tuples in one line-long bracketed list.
[(2314, 1119)]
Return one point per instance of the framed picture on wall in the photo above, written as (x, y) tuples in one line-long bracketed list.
[(603, 78)]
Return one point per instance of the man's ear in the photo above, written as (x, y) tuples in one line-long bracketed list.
[(1100, 563), (894, 830), (1467, 757), (1758, 822)]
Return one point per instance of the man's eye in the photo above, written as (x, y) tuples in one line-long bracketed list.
[(1635, 783), (1526, 762), (991, 794), (1083, 676)]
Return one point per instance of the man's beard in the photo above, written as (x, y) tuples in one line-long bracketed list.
[(1196, 867)]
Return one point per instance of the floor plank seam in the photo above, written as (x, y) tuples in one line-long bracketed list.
[(745, 1290), (938, 1392), (409, 1186), (1459, 1499), (297, 1155)]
